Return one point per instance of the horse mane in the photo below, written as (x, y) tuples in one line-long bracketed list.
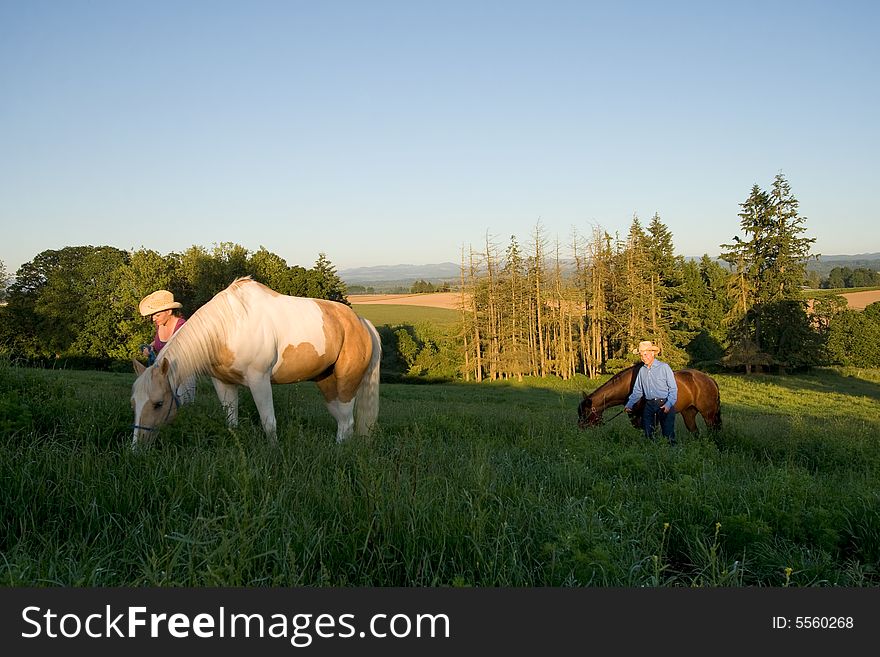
[(614, 380), (196, 345)]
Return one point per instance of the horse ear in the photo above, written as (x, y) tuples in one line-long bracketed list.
[(164, 367), (139, 367)]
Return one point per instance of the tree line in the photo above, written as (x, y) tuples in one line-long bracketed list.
[(844, 277), (545, 309), (539, 308), (80, 302)]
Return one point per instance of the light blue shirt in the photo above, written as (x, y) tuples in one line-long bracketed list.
[(655, 382)]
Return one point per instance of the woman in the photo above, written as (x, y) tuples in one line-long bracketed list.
[(162, 309)]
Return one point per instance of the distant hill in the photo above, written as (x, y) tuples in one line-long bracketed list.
[(396, 277), (391, 275), (826, 263)]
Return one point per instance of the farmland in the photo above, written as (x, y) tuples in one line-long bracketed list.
[(460, 485), (855, 299)]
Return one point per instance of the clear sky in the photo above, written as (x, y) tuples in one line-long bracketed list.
[(389, 132)]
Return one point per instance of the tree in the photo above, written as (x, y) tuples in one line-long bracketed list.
[(768, 268), (145, 271), (199, 276), (63, 302), (515, 327), (3, 281), (670, 325), (598, 285), (853, 337), (636, 302), (703, 285), (269, 269), (536, 301)]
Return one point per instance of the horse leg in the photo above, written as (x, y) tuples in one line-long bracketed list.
[(227, 393), (689, 416), (261, 391), (344, 414), (342, 411)]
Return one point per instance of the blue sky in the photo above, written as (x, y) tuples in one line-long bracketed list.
[(400, 132)]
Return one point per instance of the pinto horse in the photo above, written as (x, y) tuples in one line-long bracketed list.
[(697, 393), (251, 335)]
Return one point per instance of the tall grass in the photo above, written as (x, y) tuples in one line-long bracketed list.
[(461, 485)]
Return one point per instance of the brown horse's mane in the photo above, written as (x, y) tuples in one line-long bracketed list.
[(615, 380)]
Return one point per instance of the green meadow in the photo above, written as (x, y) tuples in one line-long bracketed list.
[(460, 485), (394, 315)]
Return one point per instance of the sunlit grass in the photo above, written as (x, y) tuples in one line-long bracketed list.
[(487, 485), (394, 315)]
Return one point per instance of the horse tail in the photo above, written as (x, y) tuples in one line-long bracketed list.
[(367, 410)]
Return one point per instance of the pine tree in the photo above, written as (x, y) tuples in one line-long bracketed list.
[(327, 281), (515, 329), (767, 269), (637, 300)]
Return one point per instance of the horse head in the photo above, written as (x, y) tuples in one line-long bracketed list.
[(588, 416), (153, 401)]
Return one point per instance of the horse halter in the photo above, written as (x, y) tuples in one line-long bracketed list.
[(594, 412), (175, 398)]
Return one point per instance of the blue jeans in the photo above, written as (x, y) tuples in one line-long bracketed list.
[(652, 414)]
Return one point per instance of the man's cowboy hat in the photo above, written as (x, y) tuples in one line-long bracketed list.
[(157, 302), (647, 345)]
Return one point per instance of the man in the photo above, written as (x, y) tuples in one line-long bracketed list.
[(655, 382)]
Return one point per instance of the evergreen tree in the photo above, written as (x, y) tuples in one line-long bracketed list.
[(768, 268), (598, 291), (514, 329), (637, 306), (327, 284), (670, 324), (703, 287), (3, 281)]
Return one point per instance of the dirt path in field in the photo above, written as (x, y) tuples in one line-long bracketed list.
[(451, 300), (448, 300)]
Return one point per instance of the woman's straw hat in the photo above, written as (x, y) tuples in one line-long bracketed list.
[(157, 302), (647, 345)]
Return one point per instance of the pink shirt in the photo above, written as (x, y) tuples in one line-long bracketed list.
[(157, 344)]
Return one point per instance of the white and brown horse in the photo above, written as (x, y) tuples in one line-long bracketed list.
[(251, 335)]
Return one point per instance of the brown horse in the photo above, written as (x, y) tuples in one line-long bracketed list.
[(697, 393)]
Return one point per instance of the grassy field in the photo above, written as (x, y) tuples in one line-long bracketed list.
[(840, 291), (461, 485), (391, 315)]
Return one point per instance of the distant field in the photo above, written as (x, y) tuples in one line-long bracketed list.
[(392, 314), (859, 300), (448, 300), (856, 298)]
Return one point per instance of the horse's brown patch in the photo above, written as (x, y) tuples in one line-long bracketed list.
[(222, 367), (341, 326), (299, 363)]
